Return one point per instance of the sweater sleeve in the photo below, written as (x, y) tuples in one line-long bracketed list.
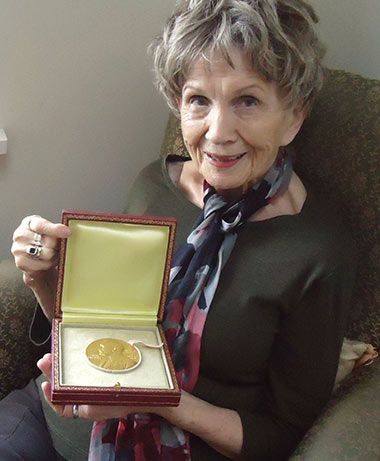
[(302, 369)]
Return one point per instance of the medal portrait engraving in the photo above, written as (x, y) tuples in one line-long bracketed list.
[(113, 355)]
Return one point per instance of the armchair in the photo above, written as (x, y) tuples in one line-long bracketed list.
[(338, 152)]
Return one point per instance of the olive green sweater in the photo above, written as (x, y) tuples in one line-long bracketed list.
[(272, 338)]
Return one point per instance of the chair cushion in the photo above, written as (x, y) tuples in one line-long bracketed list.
[(349, 428)]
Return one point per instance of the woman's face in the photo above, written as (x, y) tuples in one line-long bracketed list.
[(233, 122)]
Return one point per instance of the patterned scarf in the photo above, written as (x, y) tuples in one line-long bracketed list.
[(194, 278)]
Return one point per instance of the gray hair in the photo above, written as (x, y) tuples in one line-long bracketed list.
[(279, 37)]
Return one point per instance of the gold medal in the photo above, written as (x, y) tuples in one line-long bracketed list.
[(113, 355)]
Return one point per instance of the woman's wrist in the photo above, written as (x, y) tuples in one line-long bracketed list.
[(45, 299), (44, 286), (220, 427), (180, 415)]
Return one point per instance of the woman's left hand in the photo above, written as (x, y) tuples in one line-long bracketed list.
[(92, 412)]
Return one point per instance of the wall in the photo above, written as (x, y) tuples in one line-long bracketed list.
[(350, 29), (77, 103)]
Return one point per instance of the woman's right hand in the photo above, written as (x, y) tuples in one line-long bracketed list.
[(39, 271)]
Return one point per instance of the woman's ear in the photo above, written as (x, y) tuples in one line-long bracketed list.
[(179, 103), (296, 118)]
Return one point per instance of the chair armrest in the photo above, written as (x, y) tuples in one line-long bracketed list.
[(17, 354), (350, 425)]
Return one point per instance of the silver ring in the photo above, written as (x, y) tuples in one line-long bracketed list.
[(37, 240), (34, 250), (75, 411)]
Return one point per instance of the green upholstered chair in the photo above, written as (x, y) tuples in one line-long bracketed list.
[(337, 151)]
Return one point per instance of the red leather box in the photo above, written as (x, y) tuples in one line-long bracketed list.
[(113, 280)]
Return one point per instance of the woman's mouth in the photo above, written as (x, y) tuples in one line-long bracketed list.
[(224, 161)]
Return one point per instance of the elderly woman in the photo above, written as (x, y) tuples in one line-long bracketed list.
[(263, 269)]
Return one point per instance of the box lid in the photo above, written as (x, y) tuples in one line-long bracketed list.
[(114, 268)]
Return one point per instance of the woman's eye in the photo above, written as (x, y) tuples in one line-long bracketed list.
[(198, 101), (248, 101)]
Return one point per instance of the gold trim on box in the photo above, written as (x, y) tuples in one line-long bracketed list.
[(56, 355)]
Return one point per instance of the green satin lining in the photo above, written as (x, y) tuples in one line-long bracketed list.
[(113, 271)]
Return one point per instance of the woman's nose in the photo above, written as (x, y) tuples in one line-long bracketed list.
[(221, 127)]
